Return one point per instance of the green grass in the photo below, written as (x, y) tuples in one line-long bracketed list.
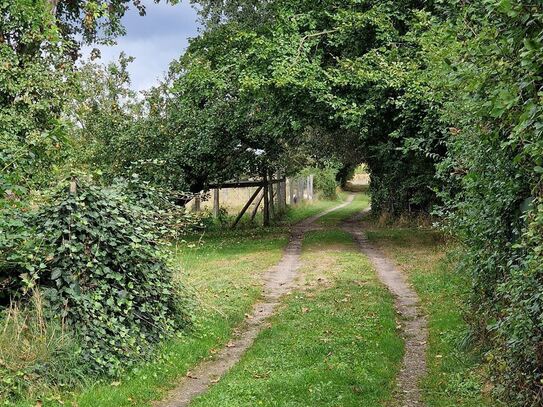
[(455, 377), (306, 209), (360, 202), (349, 352), (222, 268), (334, 342)]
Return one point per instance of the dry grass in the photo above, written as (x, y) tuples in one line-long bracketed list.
[(232, 199), (35, 353)]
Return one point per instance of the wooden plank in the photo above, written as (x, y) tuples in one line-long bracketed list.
[(249, 202), (197, 203), (271, 203), (242, 184)]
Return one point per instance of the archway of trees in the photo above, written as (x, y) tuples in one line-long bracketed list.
[(441, 100)]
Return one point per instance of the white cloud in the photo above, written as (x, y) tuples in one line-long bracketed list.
[(154, 40)]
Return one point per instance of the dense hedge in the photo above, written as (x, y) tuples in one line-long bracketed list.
[(485, 65)]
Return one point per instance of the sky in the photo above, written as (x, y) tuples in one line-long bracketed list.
[(154, 40)]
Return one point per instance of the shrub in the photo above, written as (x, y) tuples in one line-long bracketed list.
[(14, 235), (101, 270), (488, 75)]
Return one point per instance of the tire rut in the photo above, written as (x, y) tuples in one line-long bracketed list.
[(414, 325), (278, 280)]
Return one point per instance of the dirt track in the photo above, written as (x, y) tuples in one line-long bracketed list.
[(414, 325), (277, 281)]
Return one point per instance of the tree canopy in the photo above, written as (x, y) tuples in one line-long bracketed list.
[(441, 100)]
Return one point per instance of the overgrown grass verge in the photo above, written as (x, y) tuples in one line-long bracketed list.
[(36, 354), (333, 343), (454, 377), (221, 268)]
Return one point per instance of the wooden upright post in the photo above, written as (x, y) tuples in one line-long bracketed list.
[(197, 203), (281, 193), (284, 194), (266, 202), (216, 203), (280, 207), (270, 192), (291, 191)]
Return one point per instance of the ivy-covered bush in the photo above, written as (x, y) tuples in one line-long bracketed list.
[(102, 271)]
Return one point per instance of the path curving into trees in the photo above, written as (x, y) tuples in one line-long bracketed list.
[(277, 281), (280, 279)]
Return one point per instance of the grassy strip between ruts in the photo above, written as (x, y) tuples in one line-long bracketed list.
[(333, 343), (222, 268), (454, 377), (360, 202)]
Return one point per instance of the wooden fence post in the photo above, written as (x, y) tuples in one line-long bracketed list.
[(266, 202), (278, 194), (291, 191), (270, 193), (282, 195), (197, 203), (73, 186), (310, 187), (216, 203)]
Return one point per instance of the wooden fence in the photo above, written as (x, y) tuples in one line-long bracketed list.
[(272, 195)]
